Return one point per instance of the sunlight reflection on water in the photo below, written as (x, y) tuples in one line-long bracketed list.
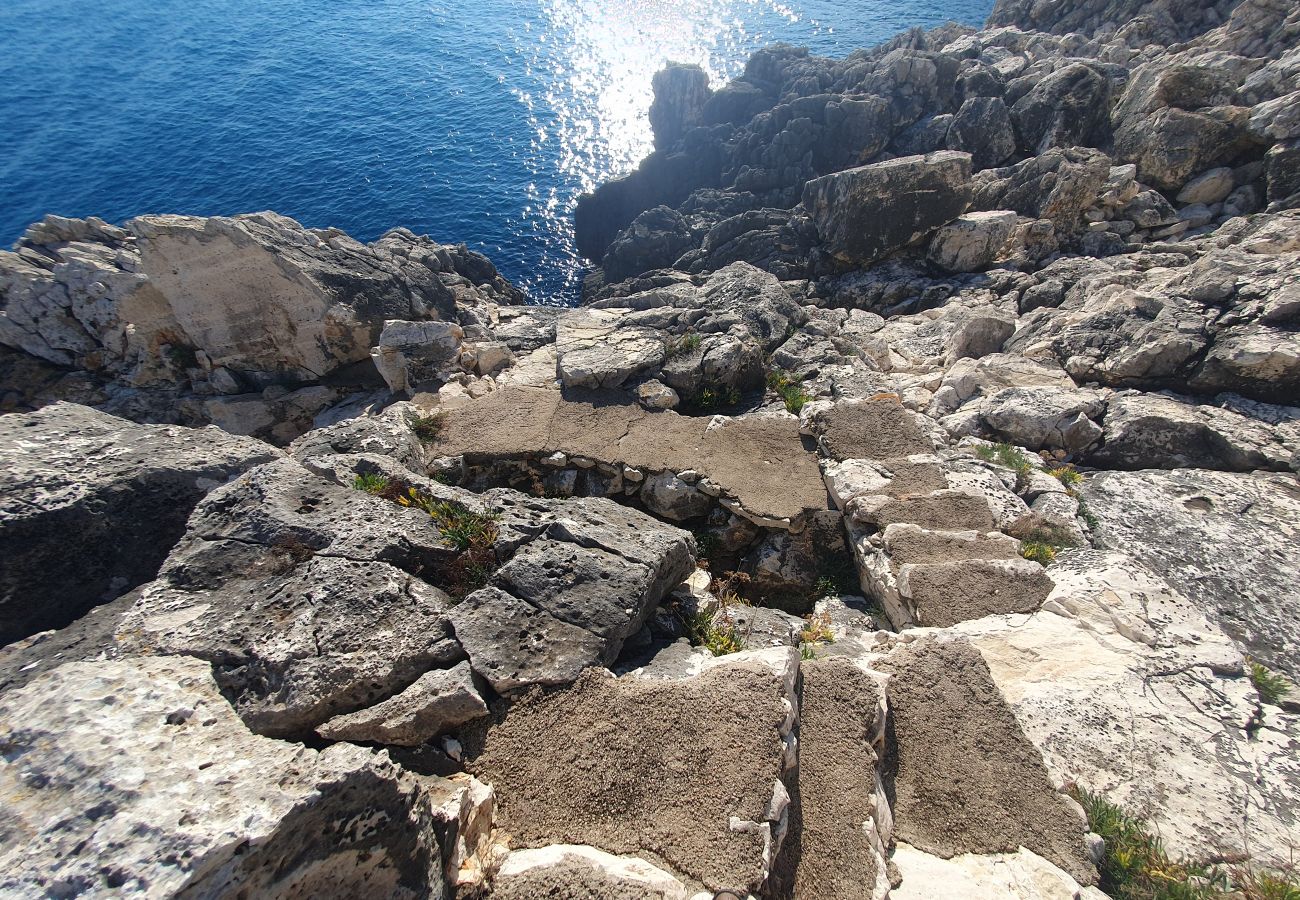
[(596, 59)]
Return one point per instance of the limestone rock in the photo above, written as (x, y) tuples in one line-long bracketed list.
[(1164, 431), (1239, 569), (92, 503), (142, 779), (973, 241), (1116, 644), (414, 354), (567, 869), (867, 213), (1069, 107), (438, 701)]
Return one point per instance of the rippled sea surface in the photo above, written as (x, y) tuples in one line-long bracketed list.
[(478, 122)]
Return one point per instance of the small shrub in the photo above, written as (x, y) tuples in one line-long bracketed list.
[(183, 356), (1067, 474), (1007, 456), (1039, 552), (806, 652), (790, 391), (681, 346), (817, 630), (719, 640), (427, 428), (825, 586), (1271, 686), (371, 483)]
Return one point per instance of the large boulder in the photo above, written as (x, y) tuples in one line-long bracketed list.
[(1059, 185), (867, 213), (91, 504), (983, 128), (1070, 107), (680, 92), (141, 780), (654, 240)]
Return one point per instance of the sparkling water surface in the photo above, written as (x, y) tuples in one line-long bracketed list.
[(477, 122)]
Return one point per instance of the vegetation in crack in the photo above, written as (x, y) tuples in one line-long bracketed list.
[(682, 345), (1271, 686), (473, 534), (427, 428), (1136, 866), (788, 389)]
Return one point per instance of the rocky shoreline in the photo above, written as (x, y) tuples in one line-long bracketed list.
[(918, 468)]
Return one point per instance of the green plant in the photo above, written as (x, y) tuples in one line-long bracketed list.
[(817, 630), (1134, 865), (1039, 552), (459, 524), (825, 586), (806, 652), (718, 639), (706, 544), (1086, 514), (1008, 456), (1271, 686), (790, 391), (1067, 474), (681, 346), (427, 428), (711, 398), (371, 483)]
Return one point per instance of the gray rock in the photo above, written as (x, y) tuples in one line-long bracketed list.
[(1162, 431), (1070, 107), (667, 495), (438, 701), (1058, 185), (867, 213), (1241, 569), (654, 240), (142, 780), (92, 503), (1208, 188), (411, 355), (680, 93), (1171, 145), (983, 128), (973, 241)]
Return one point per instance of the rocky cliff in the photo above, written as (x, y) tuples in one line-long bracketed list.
[(908, 510)]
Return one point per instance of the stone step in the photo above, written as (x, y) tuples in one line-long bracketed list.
[(907, 543), (938, 510), (943, 594)]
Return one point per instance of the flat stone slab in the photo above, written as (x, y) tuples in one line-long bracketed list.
[(965, 778), (760, 462), (683, 772)]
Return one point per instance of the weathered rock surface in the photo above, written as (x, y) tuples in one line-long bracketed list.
[(91, 504), (1224, 540), (965, 778), (710, 803), (866, 213), (141, 779)]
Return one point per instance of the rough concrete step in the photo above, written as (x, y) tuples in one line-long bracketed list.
[(944, 594), (938, 510), (906, 543)]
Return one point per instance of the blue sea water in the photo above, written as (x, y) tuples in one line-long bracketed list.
[(478, 122)]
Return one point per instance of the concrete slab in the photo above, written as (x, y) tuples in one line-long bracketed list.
[(761, 463)]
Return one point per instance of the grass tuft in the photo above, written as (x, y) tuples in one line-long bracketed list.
[(683, 345), (1039, 552), (1007, 456), (1067, 474), (1135, 865), (790, 391), (371, 483), (427, 428)]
